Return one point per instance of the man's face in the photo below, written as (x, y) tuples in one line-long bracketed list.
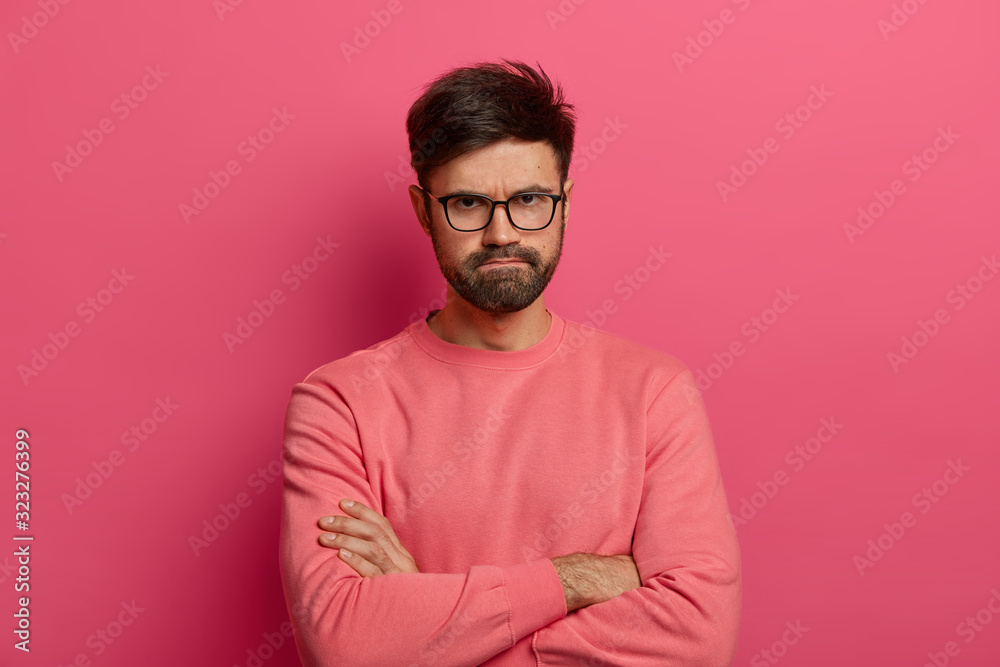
[(499, 171)]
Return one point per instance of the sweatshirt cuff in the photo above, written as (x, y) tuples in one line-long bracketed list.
[(535, 595)]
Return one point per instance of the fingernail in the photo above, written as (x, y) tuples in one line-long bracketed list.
[(327, 520), (349, 503), (347, 554)]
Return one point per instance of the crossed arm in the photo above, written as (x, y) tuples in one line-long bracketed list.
[(366, 542), (684, 551)]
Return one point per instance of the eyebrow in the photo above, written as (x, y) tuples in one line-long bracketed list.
[(533, 187)]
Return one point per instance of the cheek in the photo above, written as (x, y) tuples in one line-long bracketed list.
[(460, 252)]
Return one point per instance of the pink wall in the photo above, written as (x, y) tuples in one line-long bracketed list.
[(831, 446)]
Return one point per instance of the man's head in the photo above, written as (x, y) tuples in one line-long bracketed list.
[(497, 130)]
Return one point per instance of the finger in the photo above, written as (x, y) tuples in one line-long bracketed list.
[(364, 530), (352, 558), (371, 552), (328, 540), (359, 564), (384, 548), (366, 539), (364, 513)]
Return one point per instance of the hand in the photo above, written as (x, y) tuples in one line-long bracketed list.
[(366, 541), (591, 578)]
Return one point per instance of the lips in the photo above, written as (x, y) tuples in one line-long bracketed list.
[(503, 262)]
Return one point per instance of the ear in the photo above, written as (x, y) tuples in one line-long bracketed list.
[(417, 200), (567, 192)]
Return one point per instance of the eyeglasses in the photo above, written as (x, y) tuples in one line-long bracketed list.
[(529, 211)]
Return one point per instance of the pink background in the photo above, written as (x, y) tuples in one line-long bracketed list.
[(677, 129)]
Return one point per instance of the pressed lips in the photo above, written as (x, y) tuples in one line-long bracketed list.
[(508, 261)]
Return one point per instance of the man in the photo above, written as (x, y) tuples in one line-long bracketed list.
[(526, 490)]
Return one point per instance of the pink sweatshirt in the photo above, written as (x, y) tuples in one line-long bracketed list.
[(487, 464)]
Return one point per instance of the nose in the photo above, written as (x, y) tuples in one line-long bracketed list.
[(500, 230)]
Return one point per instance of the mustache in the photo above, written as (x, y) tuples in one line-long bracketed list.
[(523, 254)]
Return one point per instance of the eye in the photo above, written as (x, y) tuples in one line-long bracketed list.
[(528, 200), (468, 202)]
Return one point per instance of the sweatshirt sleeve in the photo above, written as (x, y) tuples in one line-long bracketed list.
[(407, 619), (687, 610)]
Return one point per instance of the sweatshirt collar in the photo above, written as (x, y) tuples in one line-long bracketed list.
[(473, 356)]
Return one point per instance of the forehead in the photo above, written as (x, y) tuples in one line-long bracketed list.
[(506, 165)]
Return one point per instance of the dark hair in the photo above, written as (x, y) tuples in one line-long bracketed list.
[(473, 107)]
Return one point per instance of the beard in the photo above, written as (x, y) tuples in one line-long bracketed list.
[(504, 289)]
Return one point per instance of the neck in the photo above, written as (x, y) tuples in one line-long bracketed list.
[(461, 323)]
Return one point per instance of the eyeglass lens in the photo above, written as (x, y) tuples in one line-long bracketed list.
[(527, 211)]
